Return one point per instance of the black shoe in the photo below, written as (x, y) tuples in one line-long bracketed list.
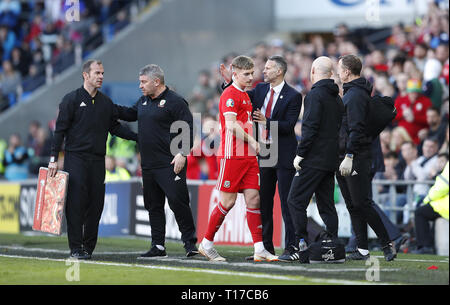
[(289, 255), (423, 250), (400, 241), (154, 253), (80, 254), (389, 252), (357, 256), (191, 249)]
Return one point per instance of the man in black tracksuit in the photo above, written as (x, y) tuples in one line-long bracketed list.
[(317, 153), (354, 175), (85, 117), (160, 113)]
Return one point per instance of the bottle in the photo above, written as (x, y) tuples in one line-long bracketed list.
[(302, 245)]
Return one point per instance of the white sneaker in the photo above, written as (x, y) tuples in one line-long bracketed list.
[(210, 254), (265, 256)]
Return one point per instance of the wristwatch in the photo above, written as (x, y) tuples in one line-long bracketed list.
[(350, 156)]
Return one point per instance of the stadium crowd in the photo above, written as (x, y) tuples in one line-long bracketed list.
[(37, 41), (411, 65)]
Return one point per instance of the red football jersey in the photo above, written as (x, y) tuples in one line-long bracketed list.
[(236, 102)]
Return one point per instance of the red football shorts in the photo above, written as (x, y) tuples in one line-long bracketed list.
[(236, 175)]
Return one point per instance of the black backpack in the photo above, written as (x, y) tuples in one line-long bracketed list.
[(381, 113), (326, 249)]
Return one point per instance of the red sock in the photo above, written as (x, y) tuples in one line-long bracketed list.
[(254, 224), (215, 221)]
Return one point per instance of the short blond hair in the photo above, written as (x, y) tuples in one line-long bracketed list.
[(242, 62)]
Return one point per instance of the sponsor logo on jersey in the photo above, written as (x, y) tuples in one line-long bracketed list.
[(229, 103)]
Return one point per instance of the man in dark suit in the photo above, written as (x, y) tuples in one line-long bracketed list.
[(276, 105), (317, 156)]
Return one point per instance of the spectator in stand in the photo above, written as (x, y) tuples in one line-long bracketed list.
[(33, 128), (420, 55), (436, 128), (399, 136), (201, 92), (411, 109), (440, 164), (382, 85), (8, 40), (10, 82), (401, 82), (93, 38), (421, 168), (122, 20), (20, 62), (16, 159), (33, 80), (385, 141), (41, 148), (9, 12), (407, 156), (378, 61), (391, 171), (113, 172)]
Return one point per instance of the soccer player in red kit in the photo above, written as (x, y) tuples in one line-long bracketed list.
[(239, 171)]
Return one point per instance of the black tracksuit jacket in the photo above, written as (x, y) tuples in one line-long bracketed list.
[(84, 122), (155, 119), (320, 126), (353, 139)]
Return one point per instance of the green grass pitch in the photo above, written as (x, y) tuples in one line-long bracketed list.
[(43, 260)]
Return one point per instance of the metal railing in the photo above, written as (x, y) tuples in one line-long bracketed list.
[(391, 196)]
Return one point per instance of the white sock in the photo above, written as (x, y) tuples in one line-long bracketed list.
[(207, 244), (363, 251), (160, 247), (259, 247)]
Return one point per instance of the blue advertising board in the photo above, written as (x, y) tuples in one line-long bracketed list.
[(116, 212)]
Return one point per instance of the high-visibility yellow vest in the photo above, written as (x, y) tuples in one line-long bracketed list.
[(120, 174), (3, 147), (437, 196)]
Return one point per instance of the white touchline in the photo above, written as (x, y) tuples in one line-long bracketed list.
[(219, 272)]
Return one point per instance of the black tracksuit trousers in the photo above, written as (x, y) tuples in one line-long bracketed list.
[(308, 182), (356, 190), (85, 200), (160, 183)]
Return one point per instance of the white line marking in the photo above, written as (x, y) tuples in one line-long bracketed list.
[(199, 270), (43, 250)]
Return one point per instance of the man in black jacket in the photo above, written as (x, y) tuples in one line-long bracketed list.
[(85, 117), (354, 175), (317, 154), (161, 114)]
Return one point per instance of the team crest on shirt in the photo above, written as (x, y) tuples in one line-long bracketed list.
[(226, 184), (229, 103), (162, 103)]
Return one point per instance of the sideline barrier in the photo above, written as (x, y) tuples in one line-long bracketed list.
[(124, 213)]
